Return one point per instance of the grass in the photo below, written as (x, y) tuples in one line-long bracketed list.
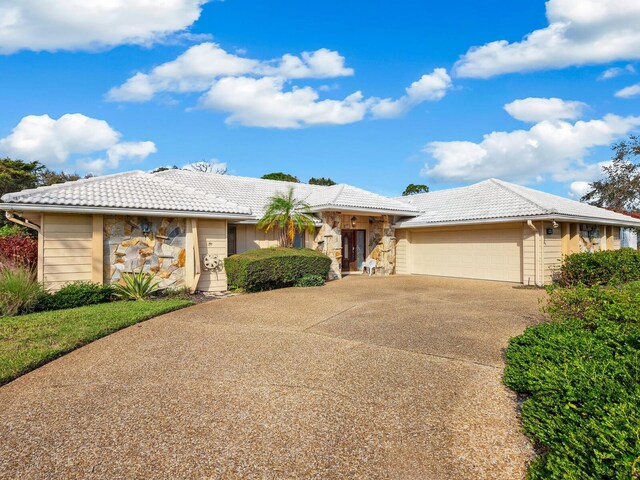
[(29, 341)]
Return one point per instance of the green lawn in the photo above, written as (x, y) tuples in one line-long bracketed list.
[(28, 341)]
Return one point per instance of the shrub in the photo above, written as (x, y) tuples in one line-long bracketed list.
[(137, 286), (9, 229), (77, 294), (19, 249), (310, 281), (19, 290), (611, 266), (270, 268), (581, 373)]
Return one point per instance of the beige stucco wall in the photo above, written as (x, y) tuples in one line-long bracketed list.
[(66, 249), (402, 252), (212, 240)]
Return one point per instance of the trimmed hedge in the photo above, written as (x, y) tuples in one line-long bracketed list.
[(608, 267), (271, 268), (310, 281), (76, 294), (581, 375)]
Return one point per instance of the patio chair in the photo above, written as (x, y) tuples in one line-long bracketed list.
[(370, 265)]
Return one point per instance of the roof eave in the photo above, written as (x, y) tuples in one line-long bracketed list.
[(26, 207), (557, 217)]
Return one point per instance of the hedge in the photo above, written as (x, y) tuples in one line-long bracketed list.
[(608, 267), (580, 373), (271, 268)]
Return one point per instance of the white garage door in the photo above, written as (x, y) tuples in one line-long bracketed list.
[(483, 254)]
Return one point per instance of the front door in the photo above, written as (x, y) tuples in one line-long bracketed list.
[(353, 250)]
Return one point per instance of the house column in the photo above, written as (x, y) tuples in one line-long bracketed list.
[(329, 241)]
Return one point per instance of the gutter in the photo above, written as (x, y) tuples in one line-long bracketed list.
[(24, 207), (548, 218)]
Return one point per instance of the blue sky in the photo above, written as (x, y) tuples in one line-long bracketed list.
[(241, 105)]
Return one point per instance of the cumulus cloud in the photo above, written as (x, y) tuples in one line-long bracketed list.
[(579, 189), (85, 25), (263, 102), (201, 65), (617, 71), (52, 142), (535, 109), (579, 33), (629, 92), (549, 148), (430, 87)]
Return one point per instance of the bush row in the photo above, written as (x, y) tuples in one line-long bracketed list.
[(581, 372), (608, 267), (271, 268)]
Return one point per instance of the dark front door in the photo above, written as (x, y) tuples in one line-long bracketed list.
[(353, 250)]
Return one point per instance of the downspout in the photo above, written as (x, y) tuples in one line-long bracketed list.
[(536, 253), (196, 255), (25, 223)]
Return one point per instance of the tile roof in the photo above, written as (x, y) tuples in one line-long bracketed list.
[(495, 199), (129, 190), (255, 193)]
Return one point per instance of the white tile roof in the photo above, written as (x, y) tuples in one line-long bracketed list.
[(130, 190), (495, 200), (255, 193)]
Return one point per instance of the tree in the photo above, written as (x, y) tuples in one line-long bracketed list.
[(413, 188), (207, 167), (283, 177), (48, 177), (288, 215), (321, 181), (16, 175), (164, 169), (620, 187)]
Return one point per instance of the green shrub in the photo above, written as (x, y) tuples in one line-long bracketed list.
[(19, 290), (271, 268), (10, 229), (77, 294), (137, 286), (310, 281), (611, 266), (581, 373)]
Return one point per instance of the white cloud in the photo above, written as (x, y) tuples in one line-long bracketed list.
[(262, 102), (52, 142), (549, 148), (86, 25), (579, 189), (430, 87), (535, 109), (628, 92), (617, 71), (201, 65), (579, 32)]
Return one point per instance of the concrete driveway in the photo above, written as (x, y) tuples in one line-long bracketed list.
[(395, 377)]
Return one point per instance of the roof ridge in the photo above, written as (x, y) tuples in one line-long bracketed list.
[(340, 190), (58, 186), (507, 186), (244, 178)]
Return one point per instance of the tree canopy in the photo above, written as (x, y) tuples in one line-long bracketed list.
[(281, 176), (413, 188), (620, 187), (288, 215), (321, 181)]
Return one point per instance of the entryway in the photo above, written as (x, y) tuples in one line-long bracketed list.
[(353, 250)]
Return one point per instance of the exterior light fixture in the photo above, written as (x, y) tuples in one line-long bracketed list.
[(353, 221), (145, 226)]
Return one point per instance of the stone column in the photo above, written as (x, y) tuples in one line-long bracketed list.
[(329, 241)]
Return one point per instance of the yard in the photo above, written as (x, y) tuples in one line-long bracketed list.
[(28, 341)]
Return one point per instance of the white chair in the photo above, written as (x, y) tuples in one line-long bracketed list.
[(371, 265)]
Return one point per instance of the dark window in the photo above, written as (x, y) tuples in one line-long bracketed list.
[(231, 240), (298, 240)]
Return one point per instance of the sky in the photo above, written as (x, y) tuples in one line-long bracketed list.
[(375, 94)]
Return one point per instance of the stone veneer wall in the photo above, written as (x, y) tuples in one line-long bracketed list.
[(381, 242), (161, 251)]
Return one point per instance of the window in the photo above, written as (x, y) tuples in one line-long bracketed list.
[(231, 240), (298, 240)]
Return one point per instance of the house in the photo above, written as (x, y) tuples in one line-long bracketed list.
[(181, 224)]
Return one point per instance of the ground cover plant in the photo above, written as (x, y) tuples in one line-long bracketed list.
[(271, 268), (28, 341), (580, 373)]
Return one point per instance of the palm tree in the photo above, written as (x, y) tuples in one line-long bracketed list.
[(287, 214)]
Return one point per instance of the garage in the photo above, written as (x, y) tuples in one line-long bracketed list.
[(481, 253)]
